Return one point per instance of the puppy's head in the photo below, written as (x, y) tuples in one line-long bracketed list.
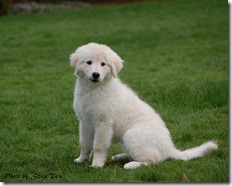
[(96, 62)]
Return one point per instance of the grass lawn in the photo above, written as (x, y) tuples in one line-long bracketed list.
[(176, 59)]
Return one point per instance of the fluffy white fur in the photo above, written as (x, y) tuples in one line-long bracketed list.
[(107, 109)]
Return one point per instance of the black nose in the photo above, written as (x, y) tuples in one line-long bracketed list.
[(95, 75)]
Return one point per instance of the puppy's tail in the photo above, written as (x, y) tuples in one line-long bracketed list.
[(195, 152)]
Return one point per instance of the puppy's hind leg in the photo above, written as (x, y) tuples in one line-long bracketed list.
[(135, 164), (142, 151), (122, 158)]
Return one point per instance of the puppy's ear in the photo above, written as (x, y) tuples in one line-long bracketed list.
[(75, 59), (74, 62), (116, 62)]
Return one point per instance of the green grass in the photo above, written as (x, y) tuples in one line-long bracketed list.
[(176, 59)]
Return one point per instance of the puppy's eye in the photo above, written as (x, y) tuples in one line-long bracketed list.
[(103, 64), (89, 62)]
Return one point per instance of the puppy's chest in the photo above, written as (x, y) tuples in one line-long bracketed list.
[(93, 106)]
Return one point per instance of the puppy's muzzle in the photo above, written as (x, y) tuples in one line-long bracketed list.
[(95, 75)]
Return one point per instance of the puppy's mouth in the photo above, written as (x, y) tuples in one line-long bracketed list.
[(94, 80)]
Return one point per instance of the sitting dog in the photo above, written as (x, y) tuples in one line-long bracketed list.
[(108, 109)]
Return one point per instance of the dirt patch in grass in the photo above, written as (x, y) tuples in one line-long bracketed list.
[(36, 7), (33, 7), (111, 1)]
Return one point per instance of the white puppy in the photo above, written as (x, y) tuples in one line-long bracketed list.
[(108, 109)]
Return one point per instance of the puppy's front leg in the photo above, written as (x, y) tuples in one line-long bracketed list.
[(102, 141), (86, 141)]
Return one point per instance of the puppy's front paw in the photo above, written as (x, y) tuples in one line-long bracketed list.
[(97, 165), (80, 160)]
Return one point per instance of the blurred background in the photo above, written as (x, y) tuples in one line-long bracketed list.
[(19, 6)]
